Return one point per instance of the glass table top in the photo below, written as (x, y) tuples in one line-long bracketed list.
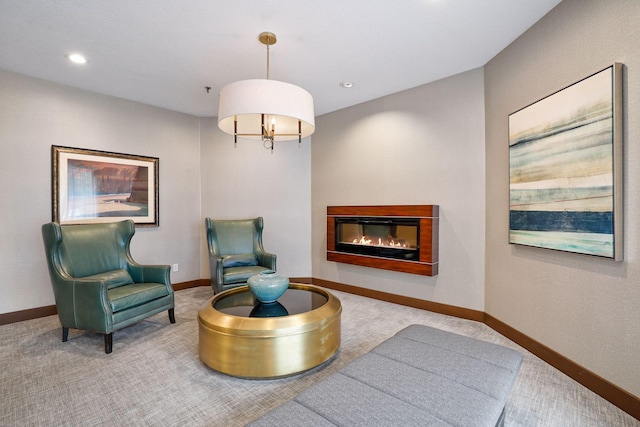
[(293, 301)]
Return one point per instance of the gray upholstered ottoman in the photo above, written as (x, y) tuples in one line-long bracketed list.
[(420, 377)]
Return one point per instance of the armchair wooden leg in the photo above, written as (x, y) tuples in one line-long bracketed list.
[(65, 334), (108, 343), (172, 316)]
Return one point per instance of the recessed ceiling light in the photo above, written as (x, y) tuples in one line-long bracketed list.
[(77, 58), (346, 84)]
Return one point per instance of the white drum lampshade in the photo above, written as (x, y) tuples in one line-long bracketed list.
[(287, 109)]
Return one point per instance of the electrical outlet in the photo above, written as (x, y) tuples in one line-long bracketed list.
[(175, 267)]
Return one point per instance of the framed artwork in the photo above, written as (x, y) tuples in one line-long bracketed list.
[(565, 169), (92, 186)]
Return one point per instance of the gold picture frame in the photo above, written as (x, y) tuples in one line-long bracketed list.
[(91, 186)]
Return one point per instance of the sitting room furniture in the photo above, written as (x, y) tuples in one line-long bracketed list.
[(240, 336), (236, 252), (97, 286), (420, 377)]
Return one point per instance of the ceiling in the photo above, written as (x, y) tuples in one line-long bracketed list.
[(165, 52)]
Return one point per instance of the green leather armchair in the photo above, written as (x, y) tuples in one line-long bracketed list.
[(97, 286), (236, 252)]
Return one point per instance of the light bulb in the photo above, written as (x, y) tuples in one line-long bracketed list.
[(76, 58)]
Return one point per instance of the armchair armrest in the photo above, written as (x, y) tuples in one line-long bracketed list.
[(91, 306), (83, 304), (215, 267), (267, 259), (149, 273)]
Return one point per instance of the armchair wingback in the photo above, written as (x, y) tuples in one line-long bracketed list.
[(236, 252), (97, 285)]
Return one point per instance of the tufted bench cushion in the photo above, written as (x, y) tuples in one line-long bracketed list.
[(421, 376)]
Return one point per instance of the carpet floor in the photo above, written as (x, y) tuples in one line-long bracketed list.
[(154, 375)]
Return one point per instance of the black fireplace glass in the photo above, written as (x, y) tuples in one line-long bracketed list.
[(386, 237)]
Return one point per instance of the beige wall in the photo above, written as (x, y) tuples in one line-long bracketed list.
[(248, 181), (586, 308), (34, 115), (421, 146)]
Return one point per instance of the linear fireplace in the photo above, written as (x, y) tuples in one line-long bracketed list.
[(384, 237), (400, 238)]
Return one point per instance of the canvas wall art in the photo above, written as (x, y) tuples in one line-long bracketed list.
[(565, 169), (92, 186)]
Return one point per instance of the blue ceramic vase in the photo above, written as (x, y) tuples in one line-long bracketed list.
[(268, 286)]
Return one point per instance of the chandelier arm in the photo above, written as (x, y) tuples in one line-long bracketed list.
[(268, 136), (235, 132)]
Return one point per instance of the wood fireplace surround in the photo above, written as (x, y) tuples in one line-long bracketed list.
[(425, 246)]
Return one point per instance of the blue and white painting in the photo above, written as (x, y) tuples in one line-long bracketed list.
[(561, 162)]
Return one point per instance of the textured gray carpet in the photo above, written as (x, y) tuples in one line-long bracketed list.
[(154, 376)]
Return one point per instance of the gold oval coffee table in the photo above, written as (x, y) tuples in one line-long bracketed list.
[(239, 336)]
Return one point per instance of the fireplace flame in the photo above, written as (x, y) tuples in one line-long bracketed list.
[(364, 240)]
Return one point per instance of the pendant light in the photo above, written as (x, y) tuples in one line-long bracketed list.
[(266, 110)]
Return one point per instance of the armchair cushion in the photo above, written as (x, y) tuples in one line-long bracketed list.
[(241, 274), (239, 260), (126, 297), (114, 278)]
